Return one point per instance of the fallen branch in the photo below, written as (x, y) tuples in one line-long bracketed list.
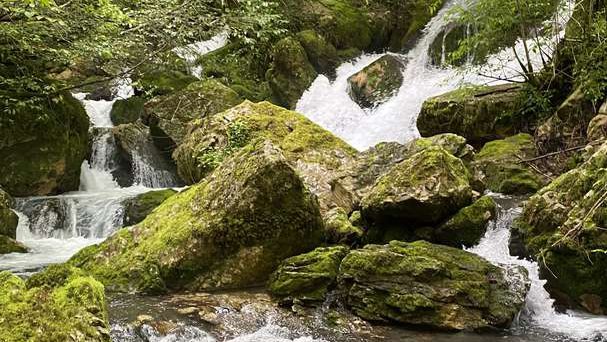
[(596, 142)]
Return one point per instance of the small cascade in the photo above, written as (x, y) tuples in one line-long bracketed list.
[(539, 316), (56, 227), (328, 103), (192, 52)]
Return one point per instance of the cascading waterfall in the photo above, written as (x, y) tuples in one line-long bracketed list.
[(192, 52), (329, 104), (539, 315)]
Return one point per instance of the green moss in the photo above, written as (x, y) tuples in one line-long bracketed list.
[(218, 136), (162, 82), (126, 111), (500, 161), (307, 277), (321, 54), (340, 229), (230, 230), (142, 205), (468, 226), (42, 150), (9, 245), (73, 310)]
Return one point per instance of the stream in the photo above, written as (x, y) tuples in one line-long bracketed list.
[(56, 227)]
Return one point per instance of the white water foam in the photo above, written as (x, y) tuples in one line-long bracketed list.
[(329, 104), (192, 52), (539, 306)]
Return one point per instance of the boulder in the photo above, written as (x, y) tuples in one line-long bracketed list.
[(562, 227), (291, 73), (8, 218), (10, 245), (314, 152), (377, 82), (229, 231), (422, 190), (468, 226), (355, 179), (431, 286), (478, 114), (139, 207), (125, 111), (307, 278), (322, 55), (340, 230), (597, 127), (73, 310), (499, 165), (42, 149), (168, 116), (148, 165)]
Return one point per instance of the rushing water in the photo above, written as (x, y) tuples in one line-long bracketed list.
[(328, 103)]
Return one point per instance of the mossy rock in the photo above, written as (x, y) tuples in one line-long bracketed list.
[(8, 219), (431, 286), (291, 73), (500, 168), (467, 227), (562, 227), (126, 111), (339, 228), (138, 208), (72, 310), (168, 116), (377, 82), (422, 190), (229, 231), (162, 82), (307, 278), (479, 114), (322, 55), (315, 153), (42, 150), (10, 245)]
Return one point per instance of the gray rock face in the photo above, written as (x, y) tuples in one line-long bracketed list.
[(378, 82)]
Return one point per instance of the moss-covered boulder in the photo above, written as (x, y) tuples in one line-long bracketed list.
[(168, 116), (562, 226), (314, 152), (377, 82), (230, 230), (423, 190), (500, 167), (468, 226), (340, 230), (8, 218), (125, 111), (355, 179), (74, 309), (139, 207), (162, 82), (10, 245), (307, 278), (291, 72), (322, 55), (431, 286), (478, 114), (42, 149)]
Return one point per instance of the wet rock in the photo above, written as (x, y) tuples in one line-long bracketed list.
[(8, 219), (431, 286), (10, 245), (230, 230), (307, 278), (43, 156), (377, 82), (148, 165), (597, 128), (72, 310), (314, 152), (468, 226), (101, 92), (168, 116), (422, 190), (48, 217), (478, 114), (125, 111), (321, 54), (499, 165), (339, 228), (562, 227), (291, 72), (139, 207)]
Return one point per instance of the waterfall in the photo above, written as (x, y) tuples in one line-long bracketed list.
[(539, 316), (56, 227), (329, 104), (191, 53)]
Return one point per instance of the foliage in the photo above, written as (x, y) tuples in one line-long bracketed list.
[(590, 68)]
